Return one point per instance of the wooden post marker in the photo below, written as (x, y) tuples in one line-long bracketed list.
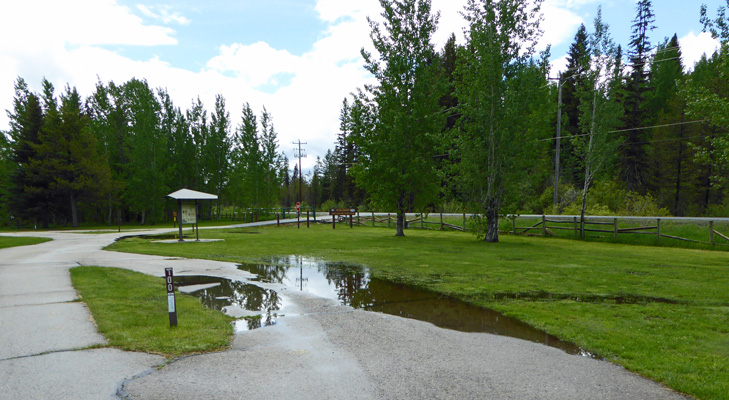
[(171, 305)]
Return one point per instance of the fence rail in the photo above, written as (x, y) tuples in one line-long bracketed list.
[(547, 224), (654, 230)]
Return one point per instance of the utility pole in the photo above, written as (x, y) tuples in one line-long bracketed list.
[(298, 152), (560, 82)]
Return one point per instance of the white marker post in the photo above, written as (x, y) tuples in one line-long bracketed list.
[(171, 309)]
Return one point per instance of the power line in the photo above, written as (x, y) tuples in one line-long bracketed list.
[(636, 129)]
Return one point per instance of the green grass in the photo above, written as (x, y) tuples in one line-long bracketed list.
[(8, 241), (130, 310), (684, 345)]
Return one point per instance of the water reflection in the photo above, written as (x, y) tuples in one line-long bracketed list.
[(230, 293), (352, 285)]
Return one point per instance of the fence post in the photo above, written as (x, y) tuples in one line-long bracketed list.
[(513, 224), (544, 225), (388, 220), (441, 220), (658, 227), (373, 219), (615, 228), (574, 221), (307, 218), (711, 232), (464, 222), (358, 223), (278, 220), (422, 217)]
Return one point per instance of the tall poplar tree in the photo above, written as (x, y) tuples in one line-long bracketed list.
[(147, 146), (217, 151), (501, 92), (396, 166), (599, 108), (707, 98)]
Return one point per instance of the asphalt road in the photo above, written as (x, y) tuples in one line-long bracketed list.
[(318, 350)]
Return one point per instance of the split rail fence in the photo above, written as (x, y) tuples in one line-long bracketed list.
[(651, 226), (705, 229)]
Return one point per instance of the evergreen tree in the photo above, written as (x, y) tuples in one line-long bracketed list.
[(247, 161), (670, 152), (573, 79), (67, 155), (633, 154), (26, 121), (271, 160)]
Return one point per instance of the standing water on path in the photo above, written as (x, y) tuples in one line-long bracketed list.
[(352, 285), (261, 305)]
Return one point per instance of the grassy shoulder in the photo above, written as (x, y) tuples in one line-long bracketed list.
[(8, 241), (130, 310), (662, 312)]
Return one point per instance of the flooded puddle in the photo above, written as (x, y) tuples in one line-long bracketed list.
[(259, 306), (353, 286)]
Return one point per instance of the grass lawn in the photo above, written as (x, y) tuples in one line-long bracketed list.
[(660, 311), (8, 241), (130, 310)]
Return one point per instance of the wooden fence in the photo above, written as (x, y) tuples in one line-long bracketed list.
[(411, 221), (611, 227)]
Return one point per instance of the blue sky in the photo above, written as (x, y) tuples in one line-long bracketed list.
[(298, 58)]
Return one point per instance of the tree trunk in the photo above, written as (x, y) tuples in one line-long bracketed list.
[(74, 210), (400, 227), (492, 221), (584, 207), (677, 206), (111, 211)]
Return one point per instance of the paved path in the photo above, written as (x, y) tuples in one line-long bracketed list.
[(319, 350)]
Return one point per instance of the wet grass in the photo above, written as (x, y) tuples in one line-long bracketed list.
[(660, 311), (130, 310), (7, 241)]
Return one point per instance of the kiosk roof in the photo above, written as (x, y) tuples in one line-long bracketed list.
[(187, 194)]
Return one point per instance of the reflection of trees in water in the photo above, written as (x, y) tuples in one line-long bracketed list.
[(235, 293), (271, 273), (348, 280)]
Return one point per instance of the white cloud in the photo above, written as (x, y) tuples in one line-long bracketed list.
[(76, 22), (257, 64), (165, 14), (559, 25), (693, 46), (558, 65)]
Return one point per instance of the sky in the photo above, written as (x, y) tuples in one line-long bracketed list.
[(297, 58)]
